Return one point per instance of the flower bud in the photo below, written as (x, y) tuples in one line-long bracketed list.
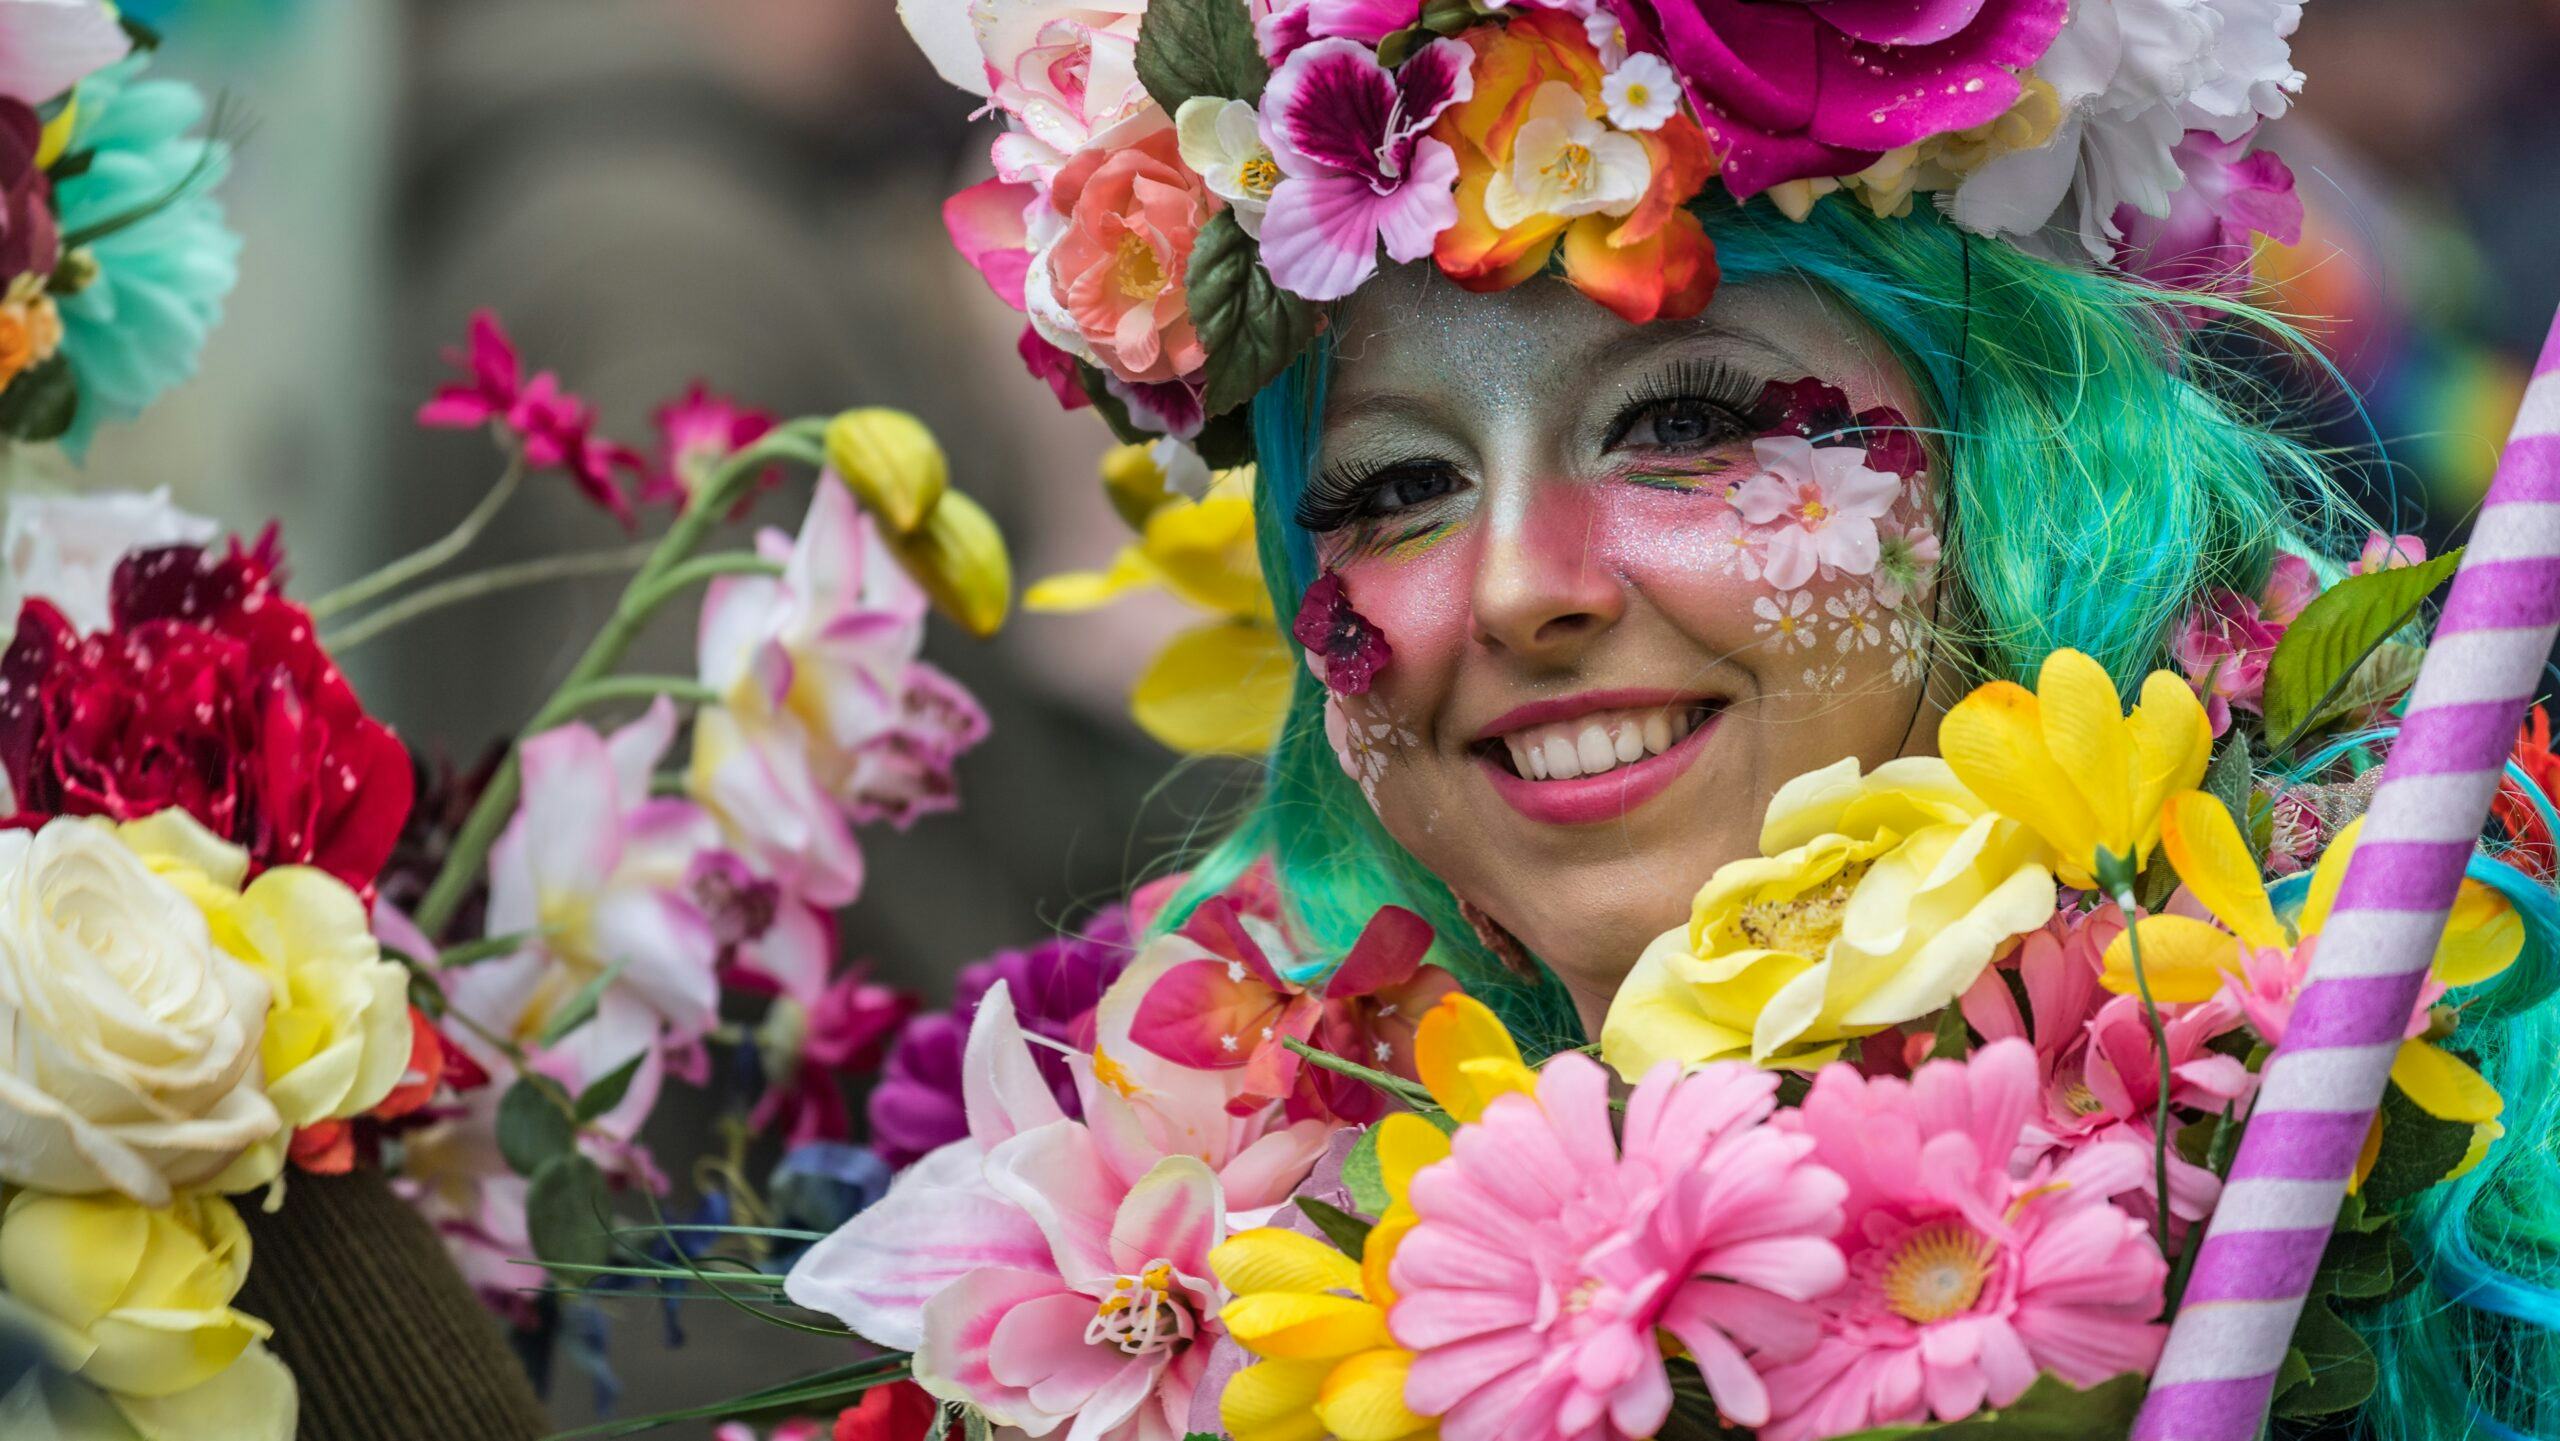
[(893, 463), (959, 557), (1134, 482)]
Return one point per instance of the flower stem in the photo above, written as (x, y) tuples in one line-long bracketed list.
[(485, 582), (647, 590), (639, 687), (426, 558), (2160, 1054), (1396, 1086)]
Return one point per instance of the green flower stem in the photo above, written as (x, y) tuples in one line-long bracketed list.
[(639, 687), (478, 583), (428, 557), (1396, 1086), (655, 583), (2160, 1053)]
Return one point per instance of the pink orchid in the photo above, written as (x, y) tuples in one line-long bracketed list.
[(988, 228), (696, 431), (1357, 168), (2388, 552), (2224, 648), (1231, 1010), (1549, 1255), (2206, 243), (1822, 504), (555, 429), (1966, 1279)]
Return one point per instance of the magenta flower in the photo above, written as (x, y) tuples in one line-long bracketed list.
[(1796, 89), (2224, 648), (1966, 1280), (1293, 23), (1346, 650), (555, 429), (2291, 586), (696, 431), (1550, 1255), (2206, 242), (988, 227), (1357, 169), (811, 1050)]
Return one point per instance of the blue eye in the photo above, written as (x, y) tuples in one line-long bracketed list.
[(1336, 498)]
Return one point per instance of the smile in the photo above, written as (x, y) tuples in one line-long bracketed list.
[(1589, 759)]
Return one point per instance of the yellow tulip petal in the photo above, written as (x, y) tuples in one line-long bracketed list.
[(2218, 868), (1378, 1253), (2085, 732), (1204, 549), (1083, 590), (2173, 744), (1994, 741), (2482, 937), (1217, 689), (2366, 1155), (1451, 1046), (2184, 958), (1271, 1259), (2326, 878), (2444, 1085), (1274, 1401), (1295, 1325), (1363, 1400)]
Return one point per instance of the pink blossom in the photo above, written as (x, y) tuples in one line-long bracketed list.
[(1965, 1279), (2290, 587), (987, 227), (555, 429), (2224, 648), (1822, 504), (1052, 366), (1118, 266), (2207, 241), (1548, 1255), (1357, 168), (1294, 23), (809, 1049), (696, 431), (2388, 552)]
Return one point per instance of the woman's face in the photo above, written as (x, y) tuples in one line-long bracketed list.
[(1626, 598)]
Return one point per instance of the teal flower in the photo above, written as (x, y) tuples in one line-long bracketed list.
[(143, 211)]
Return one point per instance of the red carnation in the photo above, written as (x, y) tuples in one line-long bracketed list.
[(209, 692)]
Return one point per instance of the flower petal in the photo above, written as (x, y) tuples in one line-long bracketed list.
[(2218, 867)]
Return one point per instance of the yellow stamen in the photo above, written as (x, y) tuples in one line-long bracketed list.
[(1571, 168), (1142, 277), (1938, 1272), (1258, 175)]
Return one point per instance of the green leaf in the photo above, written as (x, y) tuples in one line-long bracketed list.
[(2232, 778), (941, 1428), (1362, 1177), (608, 1092), (2331, 638), (1199, 47), (973, 1424), (1250, 327), (532, 1129), (41, 403), (2418, 1150), (1347, 1232), (2337, 1373), (1953, 1042), (564, 1212), (581, 1007), (2050, 1410)]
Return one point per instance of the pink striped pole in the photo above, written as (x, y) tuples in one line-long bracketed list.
[(2324, 1083)]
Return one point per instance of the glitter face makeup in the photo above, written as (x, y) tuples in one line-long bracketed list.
[(1632, 579)]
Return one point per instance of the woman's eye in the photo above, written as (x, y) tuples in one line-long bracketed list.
[(1683, 423), (1409, 486)]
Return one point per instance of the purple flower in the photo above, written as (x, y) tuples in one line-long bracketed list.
[(1356, 169), (1055, 986), (1349, 649), (1797, 89), (2205, 243)]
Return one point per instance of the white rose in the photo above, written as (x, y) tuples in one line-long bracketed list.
[(128, 1042), (64, 548)]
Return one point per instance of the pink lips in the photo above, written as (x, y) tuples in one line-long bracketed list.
[(1594, 800)]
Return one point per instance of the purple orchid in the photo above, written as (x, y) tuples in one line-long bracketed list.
[(1356, 167), (2204, 244)]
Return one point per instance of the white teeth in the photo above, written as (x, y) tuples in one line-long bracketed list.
[(1563, 762), (1596, 744), (1537, 763), (1657, 732), (1630, 742), (1595, 750)]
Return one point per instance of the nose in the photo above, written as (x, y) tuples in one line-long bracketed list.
[(1544, 586)]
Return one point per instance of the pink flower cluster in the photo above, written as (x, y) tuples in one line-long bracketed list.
[(2228, 639)]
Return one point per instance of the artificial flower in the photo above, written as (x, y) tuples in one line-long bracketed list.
[(899, 1411), (64, 548), (1820, 506), (2065, 761), (1641, 93), (1118, 265), (807, 1048), (1343, 647), (1702, 1223), (958, 555), (1222, 141), (553, 429), (2383, 551), (1939, 163), (1965, 1280), (1566, 163), (164, 261), (988, 226), (2530, 842), (2224, 647), (1065, 71), (1795, 89), (892, 463), (136, 1301), (696, 431), (129, 1041), (30, 327), (1327, 1367), (1359, 169), (1232, 1009), (2207, 241), (1466, 1059), (47, 46), (1876, 899)]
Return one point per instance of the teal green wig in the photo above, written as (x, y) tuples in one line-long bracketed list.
[(2099, 473)]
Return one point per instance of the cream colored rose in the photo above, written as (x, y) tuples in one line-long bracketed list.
[(136, 1301), (128, 1040), (337, 1030), (1877, 899)]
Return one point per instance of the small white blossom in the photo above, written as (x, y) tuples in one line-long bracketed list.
[(1221, 140), (1641, 93)]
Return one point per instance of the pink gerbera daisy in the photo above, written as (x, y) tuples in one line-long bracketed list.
[(1965, 1280), (1551, 1259)]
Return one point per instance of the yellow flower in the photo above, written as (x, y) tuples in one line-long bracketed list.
[(1220, 687), (1465, 1058), (337, 1034), (2063, 759), (892, 463), (1328, 1366), (1877, 899), (2188, 960), (136, 1301)]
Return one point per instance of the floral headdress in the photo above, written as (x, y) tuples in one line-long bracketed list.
[(1181, 185)]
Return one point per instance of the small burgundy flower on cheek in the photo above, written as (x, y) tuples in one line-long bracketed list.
[(1817, 410), (1350, 651)]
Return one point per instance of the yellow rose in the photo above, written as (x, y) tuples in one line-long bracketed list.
[(1877, 899), (136, 1302), (337, 1032), (128, 1040)]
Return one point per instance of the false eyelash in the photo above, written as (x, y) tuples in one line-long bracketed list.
[(1716, 382), (1339, 497)]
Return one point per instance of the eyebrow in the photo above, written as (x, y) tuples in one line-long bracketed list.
[(1615, 352)]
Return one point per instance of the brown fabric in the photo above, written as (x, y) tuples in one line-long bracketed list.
[(384, 1337)]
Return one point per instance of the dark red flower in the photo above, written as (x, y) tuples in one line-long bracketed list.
[(208, 692), (899, 1411), (1819, 411), (1352, 650), (556, 428), (30, 240), (2529, 839)]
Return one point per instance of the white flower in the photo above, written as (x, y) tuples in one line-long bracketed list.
[(2133, 77), (1221, 140), (1787, 619), (64, 548), (1606, 35), (1565, 163), (1641, 93), (129, 1043), (1179, 462)]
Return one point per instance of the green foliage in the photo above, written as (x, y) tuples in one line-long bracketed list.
[(2321, 651), (2330, 1368), (1347, 1232), (581, 1007), (1199, 47), (1250, 327), (2232, 778), (532, 1127), (2418, 1150), (41, 403), (1952, 1041), (607, 1093), (1361, 1175), (565, 1214), (2050, 1410)]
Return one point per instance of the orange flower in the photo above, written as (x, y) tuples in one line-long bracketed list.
[(30, 327), (1650, 261)]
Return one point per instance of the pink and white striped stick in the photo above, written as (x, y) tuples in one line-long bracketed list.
[(2324, 1083)]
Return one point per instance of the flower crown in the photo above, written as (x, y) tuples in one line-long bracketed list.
[(1182, 184)]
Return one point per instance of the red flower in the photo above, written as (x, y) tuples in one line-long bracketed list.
[(30, 242), (899, 1411), (1352, 650), (1819, 412), (557, 429), (2531, 848), (208, 692), (696, 431)]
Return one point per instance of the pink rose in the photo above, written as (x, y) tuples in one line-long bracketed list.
[(1117, 268), (2388, 552)]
